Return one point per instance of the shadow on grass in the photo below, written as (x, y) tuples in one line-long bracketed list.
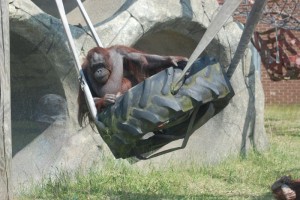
[(267, 195), (286, 133), (134, 196), (288, 172)]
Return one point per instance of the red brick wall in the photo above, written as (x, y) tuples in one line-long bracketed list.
[(280, 92), (277, 92)]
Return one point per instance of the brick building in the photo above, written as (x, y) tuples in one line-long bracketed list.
[(280, 63)]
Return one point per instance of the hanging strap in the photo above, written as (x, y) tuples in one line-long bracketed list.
[(64, 20), (89, 23), (218, 22), (83, 82), (254, 16), (184, 142)]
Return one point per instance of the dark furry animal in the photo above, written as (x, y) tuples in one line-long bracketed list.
[(112, 71), (286, 189)]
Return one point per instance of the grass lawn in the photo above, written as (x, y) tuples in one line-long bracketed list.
[(235, 178)]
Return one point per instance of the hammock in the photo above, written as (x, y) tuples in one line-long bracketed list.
[(172, 104)]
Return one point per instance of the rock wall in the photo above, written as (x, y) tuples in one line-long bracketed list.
[(173, 27)]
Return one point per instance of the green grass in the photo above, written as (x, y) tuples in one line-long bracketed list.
[(235, 178)]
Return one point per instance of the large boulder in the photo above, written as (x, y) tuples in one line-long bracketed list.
[(42, 64)]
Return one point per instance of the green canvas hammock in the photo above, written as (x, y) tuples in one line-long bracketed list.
[(168, 106)]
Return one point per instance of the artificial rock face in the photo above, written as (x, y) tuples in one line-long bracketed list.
[(172, 28)]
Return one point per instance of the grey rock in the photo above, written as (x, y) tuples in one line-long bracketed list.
[(43, 64)]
